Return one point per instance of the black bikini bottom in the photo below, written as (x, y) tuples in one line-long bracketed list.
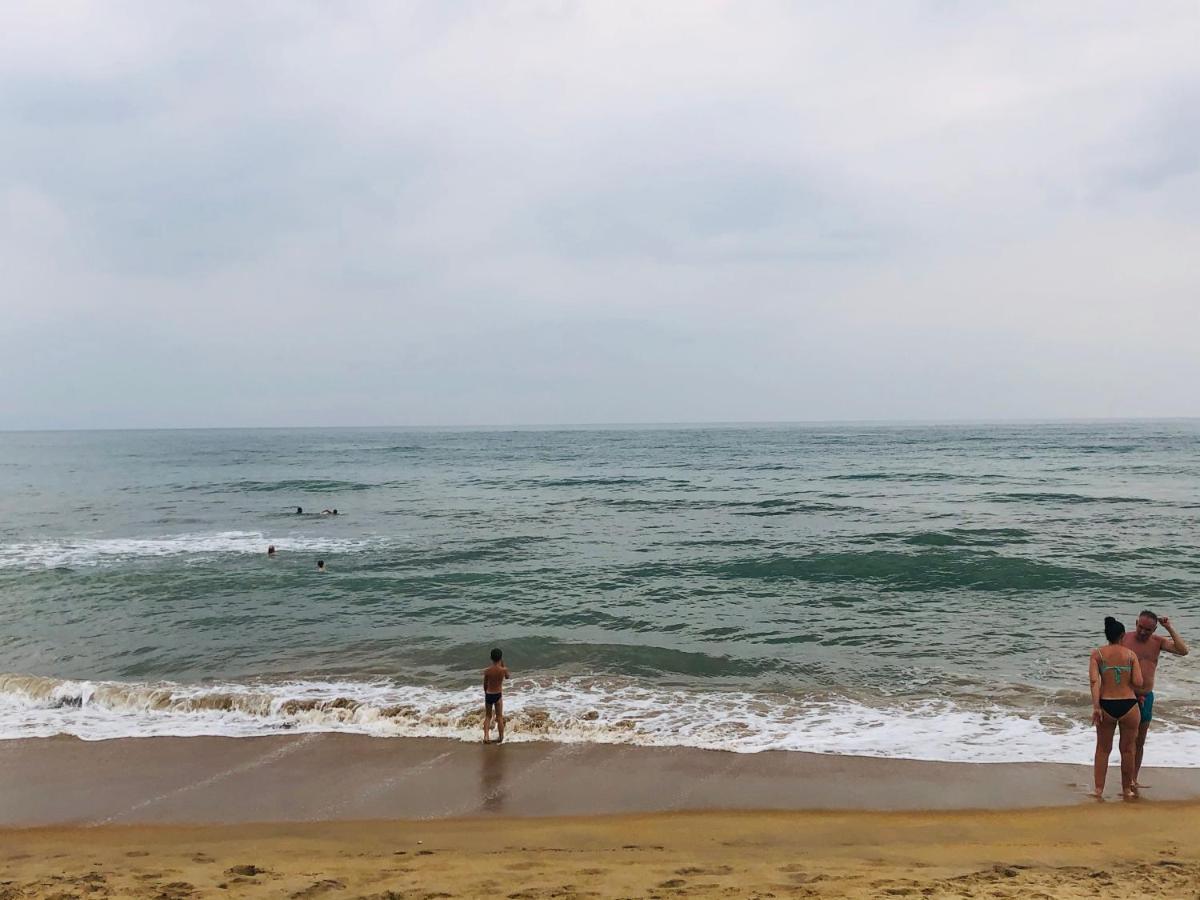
[(1118, 708)]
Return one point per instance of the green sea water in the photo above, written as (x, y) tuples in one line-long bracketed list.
[(923, 591)]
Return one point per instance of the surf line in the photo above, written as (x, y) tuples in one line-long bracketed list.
[(265, 759)]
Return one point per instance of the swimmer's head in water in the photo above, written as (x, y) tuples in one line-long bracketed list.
[(320, 564), (1113, 630), (497, 655), (271, 550), (335, 510), (299, 510)]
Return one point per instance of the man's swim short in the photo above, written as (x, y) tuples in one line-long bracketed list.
[(490, 700), (1147, 707)]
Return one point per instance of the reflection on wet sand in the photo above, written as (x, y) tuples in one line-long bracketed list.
[(492, 789)]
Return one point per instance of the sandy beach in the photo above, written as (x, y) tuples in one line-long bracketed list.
[(1113, 850), (352, 816)]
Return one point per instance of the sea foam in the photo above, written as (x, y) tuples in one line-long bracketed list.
[(610, 711), (49, 554)]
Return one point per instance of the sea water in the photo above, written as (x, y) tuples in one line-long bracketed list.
[(929, 592)]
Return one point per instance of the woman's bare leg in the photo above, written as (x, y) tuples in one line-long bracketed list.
[(1128, 743), (1104, 741)]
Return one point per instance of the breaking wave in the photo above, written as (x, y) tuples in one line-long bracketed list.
[(50, 554), (611, 711)]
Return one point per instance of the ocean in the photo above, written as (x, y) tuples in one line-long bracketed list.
[(929, 592)]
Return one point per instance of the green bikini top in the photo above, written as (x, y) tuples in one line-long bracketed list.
[(1116, 670)]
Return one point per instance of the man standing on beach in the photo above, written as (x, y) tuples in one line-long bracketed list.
[(1146, 645)]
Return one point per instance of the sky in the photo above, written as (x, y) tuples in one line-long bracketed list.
[(357, 213)]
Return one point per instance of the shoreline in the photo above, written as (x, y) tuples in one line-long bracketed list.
[(330, 777)]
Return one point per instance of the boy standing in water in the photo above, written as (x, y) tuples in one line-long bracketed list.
[(493, 696)]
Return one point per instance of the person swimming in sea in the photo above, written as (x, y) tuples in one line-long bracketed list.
[(320, 565), (299, 510), (493, 696), (1115, 675), (329, 512), (271, 550)]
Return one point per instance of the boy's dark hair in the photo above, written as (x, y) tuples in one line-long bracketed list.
[(320, 562), (1113, 630), (497, 655), (1146, 612)]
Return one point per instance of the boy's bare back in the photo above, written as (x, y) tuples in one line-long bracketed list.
[(493, 677)]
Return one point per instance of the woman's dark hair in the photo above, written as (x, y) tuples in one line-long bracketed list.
[(1113, 630)]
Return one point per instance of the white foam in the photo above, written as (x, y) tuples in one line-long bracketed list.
[(93, 552), (567, 711)]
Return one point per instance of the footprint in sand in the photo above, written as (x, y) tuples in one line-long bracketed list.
[(804, 878), (317, 888), (176, 890), (250, 870)]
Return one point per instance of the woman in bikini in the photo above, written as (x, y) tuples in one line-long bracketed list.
[(1115, 673)]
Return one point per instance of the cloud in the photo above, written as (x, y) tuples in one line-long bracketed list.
[(551, 212)]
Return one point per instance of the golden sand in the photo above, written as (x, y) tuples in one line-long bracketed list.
[(1110, 850)]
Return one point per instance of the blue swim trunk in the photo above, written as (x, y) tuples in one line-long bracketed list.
[(1147, 707)]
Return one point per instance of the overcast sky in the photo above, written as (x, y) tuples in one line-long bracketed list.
[(542, 212)]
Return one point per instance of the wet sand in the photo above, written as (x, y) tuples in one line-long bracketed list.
[(307, 816), (323, 777)]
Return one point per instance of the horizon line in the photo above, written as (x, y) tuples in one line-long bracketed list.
[(551, 426)]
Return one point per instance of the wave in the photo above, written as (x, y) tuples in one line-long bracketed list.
[(936, 568), (289, 486), (969, 537), (783, 507), (983, 478), (575, 710), (52, 554), (776, 506), (1049, 497), (601, 481)]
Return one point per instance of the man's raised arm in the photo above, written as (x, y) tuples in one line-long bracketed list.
[(1176, 644)]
